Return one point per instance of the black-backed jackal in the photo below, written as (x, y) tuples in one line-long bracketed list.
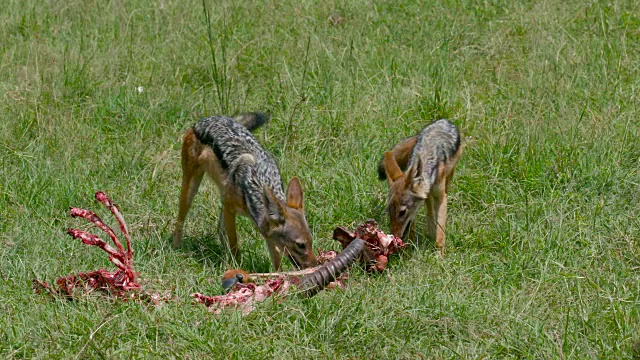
[(428, 160), (250, 184)]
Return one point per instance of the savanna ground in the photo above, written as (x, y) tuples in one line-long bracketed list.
[(542, 257)]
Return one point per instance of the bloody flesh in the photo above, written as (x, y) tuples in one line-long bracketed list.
[(379, 246), (244, 296)]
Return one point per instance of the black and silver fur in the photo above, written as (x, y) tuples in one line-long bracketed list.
[(247, 164), (436, 143)]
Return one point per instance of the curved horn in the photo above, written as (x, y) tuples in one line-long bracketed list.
[(311, 284)]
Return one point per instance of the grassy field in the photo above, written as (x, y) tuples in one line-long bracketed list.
[(543, 231)]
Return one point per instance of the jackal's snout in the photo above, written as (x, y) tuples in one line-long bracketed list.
[(297, 242), (286, 228)]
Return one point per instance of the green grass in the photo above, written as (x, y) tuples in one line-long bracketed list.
[(542, 236)]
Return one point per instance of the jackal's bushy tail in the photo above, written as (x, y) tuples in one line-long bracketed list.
[(252, 120), (402, 152)]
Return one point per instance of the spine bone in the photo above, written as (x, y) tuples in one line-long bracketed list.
[(316, 281)]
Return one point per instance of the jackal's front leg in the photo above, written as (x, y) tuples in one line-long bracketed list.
[(276, 255), (441, 221), (227, 230), (432, 218), (440, 207)]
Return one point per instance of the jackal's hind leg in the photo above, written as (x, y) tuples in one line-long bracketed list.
[(450, 167), (191, 179)]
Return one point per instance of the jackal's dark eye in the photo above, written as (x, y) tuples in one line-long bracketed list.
[(402, 212), (301, 245)]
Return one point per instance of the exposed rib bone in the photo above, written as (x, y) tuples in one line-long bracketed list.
[(106, 201)]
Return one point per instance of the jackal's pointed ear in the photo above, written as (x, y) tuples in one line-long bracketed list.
[(275, 208), (415, 171), (416, 180), (419, 188), (391, 167), (294, 194)]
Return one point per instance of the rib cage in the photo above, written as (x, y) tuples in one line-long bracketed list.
[(317, 280)]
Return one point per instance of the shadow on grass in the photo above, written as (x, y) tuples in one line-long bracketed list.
[(209, 250), (206, 249)]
